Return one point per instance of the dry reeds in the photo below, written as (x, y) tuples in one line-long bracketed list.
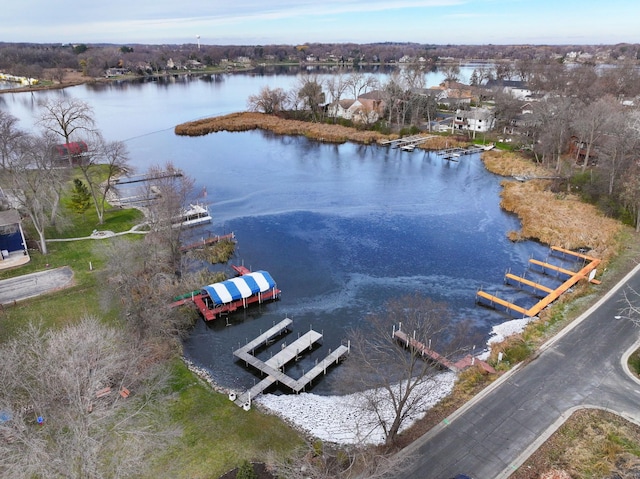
[(508, 163), (250, 121), (559, 219)]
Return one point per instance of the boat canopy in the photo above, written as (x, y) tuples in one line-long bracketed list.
[(240, 287)]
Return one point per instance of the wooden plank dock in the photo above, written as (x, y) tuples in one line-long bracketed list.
[(413, 140), (265, 337), (147, 177), (408, 341), (587, 272), (207, 241)]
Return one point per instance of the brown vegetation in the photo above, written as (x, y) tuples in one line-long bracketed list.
[(557, 219), (245, 121), (560, 219), (508, 163), (591, 441)]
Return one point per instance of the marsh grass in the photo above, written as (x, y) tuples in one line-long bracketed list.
[(246, 121)]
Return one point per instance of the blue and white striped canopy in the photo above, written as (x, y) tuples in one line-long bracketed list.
[(240, 287)]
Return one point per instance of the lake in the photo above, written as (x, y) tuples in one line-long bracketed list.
[(341, 228)]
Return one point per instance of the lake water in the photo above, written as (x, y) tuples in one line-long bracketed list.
[(341, 228)]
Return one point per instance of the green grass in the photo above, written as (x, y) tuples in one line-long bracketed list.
[(116, 220), (217, 434)]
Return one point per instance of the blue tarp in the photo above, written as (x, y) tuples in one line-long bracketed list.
[(240, 287)]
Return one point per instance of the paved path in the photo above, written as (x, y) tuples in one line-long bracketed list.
[(584, 366), (102, 234), (35, 284)]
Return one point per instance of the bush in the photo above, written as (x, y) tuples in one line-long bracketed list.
[(245, 471)]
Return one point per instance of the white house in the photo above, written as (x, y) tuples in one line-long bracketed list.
[(478, 119)]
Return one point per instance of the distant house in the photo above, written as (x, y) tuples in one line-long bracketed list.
[(478, 119), (69, 154), (368, 108), (13, 246), (517, 89)]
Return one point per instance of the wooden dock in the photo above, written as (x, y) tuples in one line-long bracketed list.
[(274, 366), (454, 153), (460, 365), (147, 177), (587, 272), (207, 241), (406, 141), (416, 345), (264, 338)]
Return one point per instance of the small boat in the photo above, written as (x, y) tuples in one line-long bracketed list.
[(408, 147), (193, 216)]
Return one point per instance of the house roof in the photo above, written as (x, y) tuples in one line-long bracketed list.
[(9, 217), (346, 103), (477, 114), (372, 95), (506, 84)]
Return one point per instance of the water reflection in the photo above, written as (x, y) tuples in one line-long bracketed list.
[(342, 228)]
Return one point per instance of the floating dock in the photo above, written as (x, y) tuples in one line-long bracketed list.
[(407, 143), (454, 153), (274, 366), (587, 272)]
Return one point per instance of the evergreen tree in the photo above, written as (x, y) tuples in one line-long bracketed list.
[(80, 197)]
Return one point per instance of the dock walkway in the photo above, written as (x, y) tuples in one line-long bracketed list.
[(587, 272), (413, 140), (274, 366)]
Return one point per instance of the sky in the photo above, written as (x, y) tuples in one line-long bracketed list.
[(291, 22)]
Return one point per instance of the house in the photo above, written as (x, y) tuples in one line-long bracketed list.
[(478, 119), (69, 153), (13, 246), (517, 89), (368, 108)]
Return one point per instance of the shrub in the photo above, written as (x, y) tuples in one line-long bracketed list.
[(245, 471)]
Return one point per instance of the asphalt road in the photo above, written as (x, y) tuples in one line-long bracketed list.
[(495, 433), (34, 284)]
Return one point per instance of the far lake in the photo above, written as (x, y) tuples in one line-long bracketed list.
[(341, 228)]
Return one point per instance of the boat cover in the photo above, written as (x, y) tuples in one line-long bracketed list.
[(240, 287)]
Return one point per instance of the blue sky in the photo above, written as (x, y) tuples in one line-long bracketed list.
[(253, 22)]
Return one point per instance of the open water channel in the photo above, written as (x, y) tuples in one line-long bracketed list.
[(341, 228)]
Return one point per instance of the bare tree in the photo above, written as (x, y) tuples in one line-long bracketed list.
[(268, 101), (77, 403), (450, 71), (336, 86), (594, 121), (67, 117), (37, 184), (99, 166), (169, 195), (394, 376), (324, 462), (360, 83), (9, 137), (311, 94)]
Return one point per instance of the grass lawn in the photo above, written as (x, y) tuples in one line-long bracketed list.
[(217, 434)]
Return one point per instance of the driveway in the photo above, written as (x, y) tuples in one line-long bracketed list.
[(35, 284), (495, 433)]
